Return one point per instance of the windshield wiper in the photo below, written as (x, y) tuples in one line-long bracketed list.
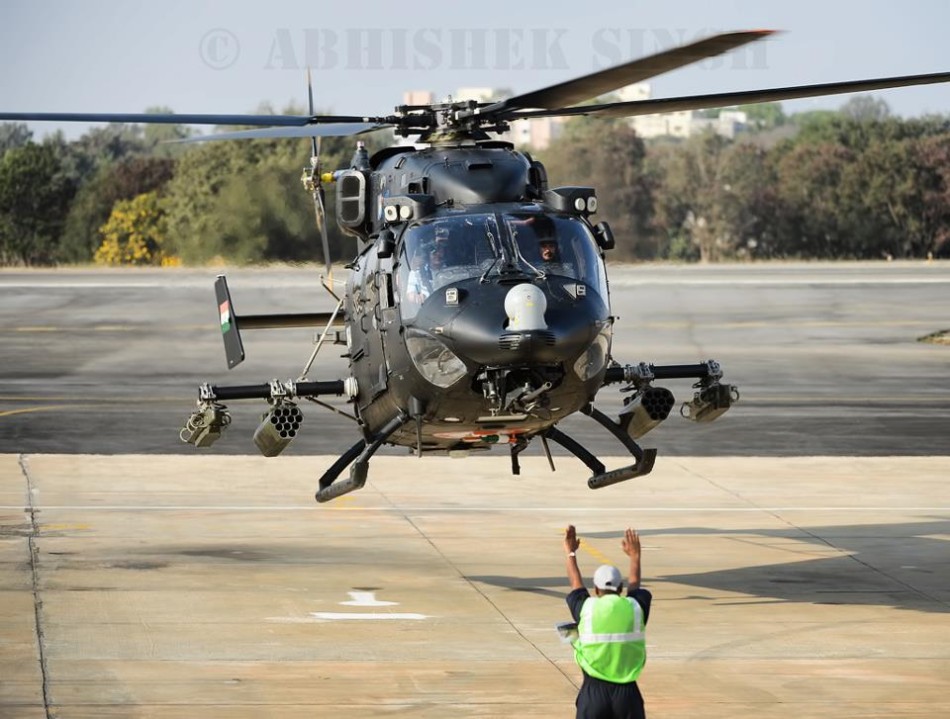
[(495, 251)]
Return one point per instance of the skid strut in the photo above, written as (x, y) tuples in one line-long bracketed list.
[(361, 452)]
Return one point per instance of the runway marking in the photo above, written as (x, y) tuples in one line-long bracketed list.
[(673, 324), (785, 282), (367, 615), (501, 510), (360, 599), (366, 599), (594, 552), (47, 408), (144, 327)]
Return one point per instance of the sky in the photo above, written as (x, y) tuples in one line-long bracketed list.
[(231, 56)]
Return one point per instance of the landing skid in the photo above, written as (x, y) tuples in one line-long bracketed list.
[(361, 453), (601, 477)]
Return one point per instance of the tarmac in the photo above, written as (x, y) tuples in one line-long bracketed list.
[(183, 586)]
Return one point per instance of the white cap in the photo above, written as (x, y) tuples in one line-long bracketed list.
[(608, 577)]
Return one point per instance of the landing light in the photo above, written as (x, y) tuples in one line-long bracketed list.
[(594, 358), (436, 362)]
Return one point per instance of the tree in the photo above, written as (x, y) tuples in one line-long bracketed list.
[(94, 201), (609, 156), (162, 139), (242, 200), (689, 205), (747, 202), (98, 147), (811, 219), (34, 197), (865, 108), (765, 115), (901, 195), (13, 135), (135, 233), (933, 184)]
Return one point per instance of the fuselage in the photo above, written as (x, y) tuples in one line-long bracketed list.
[(468, 329)]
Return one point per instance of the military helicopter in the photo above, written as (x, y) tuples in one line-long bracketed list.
[(477, 311)]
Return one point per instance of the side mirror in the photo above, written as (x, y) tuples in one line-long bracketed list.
[(385, 244), (604, 236)]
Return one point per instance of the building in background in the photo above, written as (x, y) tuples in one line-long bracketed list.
[(684, 123), (539, 133)]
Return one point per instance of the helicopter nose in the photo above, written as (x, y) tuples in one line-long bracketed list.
[(525, 305)]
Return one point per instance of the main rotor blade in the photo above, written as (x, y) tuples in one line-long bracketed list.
[(339, 130), (613, 78), (747, 97), (173, 119)]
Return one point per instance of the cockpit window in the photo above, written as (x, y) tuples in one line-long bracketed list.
[(439, 252), (558, 245), (443, 251)]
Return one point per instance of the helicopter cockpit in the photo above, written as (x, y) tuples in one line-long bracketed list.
[(442, 251)]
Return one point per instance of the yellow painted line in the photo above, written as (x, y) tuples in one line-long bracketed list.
[(62, 527), (779, 324), (589, 549), (50, 408), (107, 328), (830, 398), (594, 552), (88, 400)]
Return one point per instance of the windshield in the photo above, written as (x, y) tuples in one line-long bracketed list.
[(558, 245), (443, 251)]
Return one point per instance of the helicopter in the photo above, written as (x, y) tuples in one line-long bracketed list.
[(476, 312)]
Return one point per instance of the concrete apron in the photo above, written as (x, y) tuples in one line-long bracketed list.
[(173, 587)]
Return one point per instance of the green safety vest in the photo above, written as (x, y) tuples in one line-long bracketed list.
[(610, 644)]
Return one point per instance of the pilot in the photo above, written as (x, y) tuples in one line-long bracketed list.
[(549, 250), (417, 284), (425, 264), (610, 646)]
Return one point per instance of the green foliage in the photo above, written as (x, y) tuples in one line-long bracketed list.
[(34, 198), (765, 115), (99, 147), (220, 185), (608, 155), (13, 135), (863, 188), (243, 201), (135, 233), (713, 199), (161, 140), (96, 198), (865, 108), (859, 183)]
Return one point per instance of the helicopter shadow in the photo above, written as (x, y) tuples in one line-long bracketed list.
[(903, 565)]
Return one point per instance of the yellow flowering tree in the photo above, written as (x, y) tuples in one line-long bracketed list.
[(135, 233)]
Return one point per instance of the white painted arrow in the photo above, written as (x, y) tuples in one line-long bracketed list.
[(367, 599)]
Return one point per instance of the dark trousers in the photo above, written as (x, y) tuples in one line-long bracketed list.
[(598, 699)]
